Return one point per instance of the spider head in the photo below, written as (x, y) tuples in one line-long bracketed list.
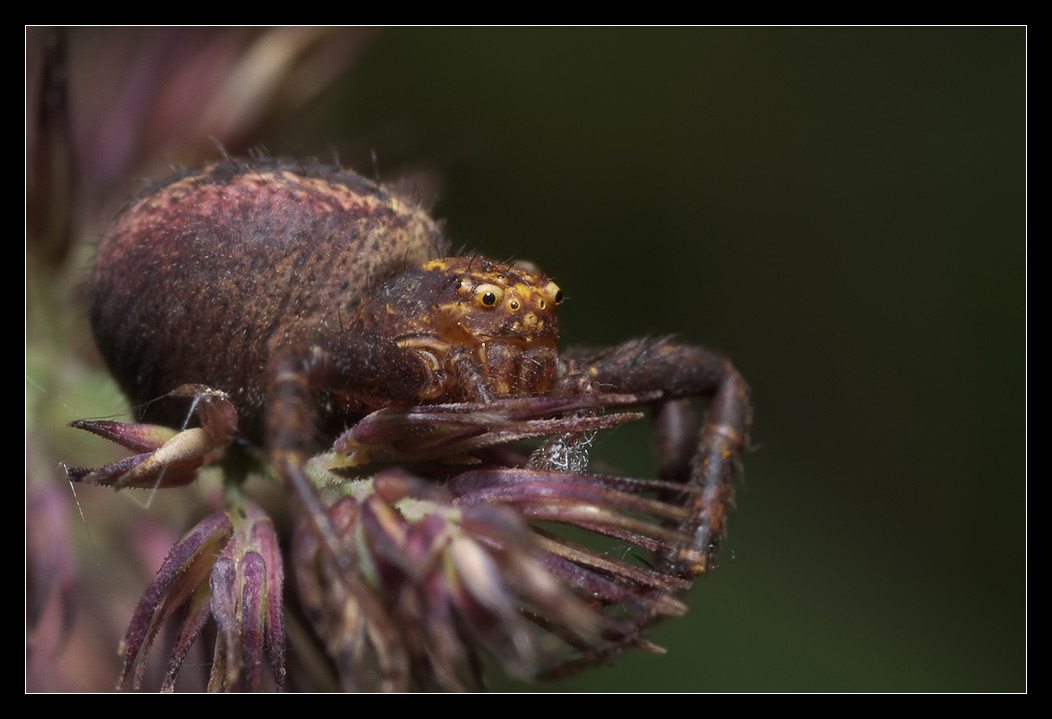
[(488, 330)]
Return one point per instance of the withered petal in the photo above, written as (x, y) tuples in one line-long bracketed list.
[(187, 565)]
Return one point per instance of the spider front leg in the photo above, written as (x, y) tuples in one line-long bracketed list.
[(681, 372), (371, 368)]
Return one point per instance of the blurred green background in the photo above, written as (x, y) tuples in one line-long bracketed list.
[(840, 210)]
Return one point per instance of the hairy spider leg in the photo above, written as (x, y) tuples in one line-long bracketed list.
[(371, 365), (709, 459)]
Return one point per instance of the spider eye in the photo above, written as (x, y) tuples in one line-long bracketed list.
[(488, 296), (552, 293)]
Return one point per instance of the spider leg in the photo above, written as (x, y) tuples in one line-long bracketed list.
[(707, 460), (675, 438), (362, 365)]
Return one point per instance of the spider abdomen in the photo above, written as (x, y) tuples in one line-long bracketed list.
[(200, 279)]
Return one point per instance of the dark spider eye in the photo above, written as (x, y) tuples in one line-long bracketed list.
[(488, 295), (552, 293), (513, 304)]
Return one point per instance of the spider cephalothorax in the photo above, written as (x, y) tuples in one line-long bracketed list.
[(312, 317), (486, 330)]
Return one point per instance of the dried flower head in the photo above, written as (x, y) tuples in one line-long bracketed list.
[(228, 568), (453, 559)]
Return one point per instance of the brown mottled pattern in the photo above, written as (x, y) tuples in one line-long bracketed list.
[(201, 278)]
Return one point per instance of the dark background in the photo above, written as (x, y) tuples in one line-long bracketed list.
[(840, 210)]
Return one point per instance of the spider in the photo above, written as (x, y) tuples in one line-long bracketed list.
[(292, 300)]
